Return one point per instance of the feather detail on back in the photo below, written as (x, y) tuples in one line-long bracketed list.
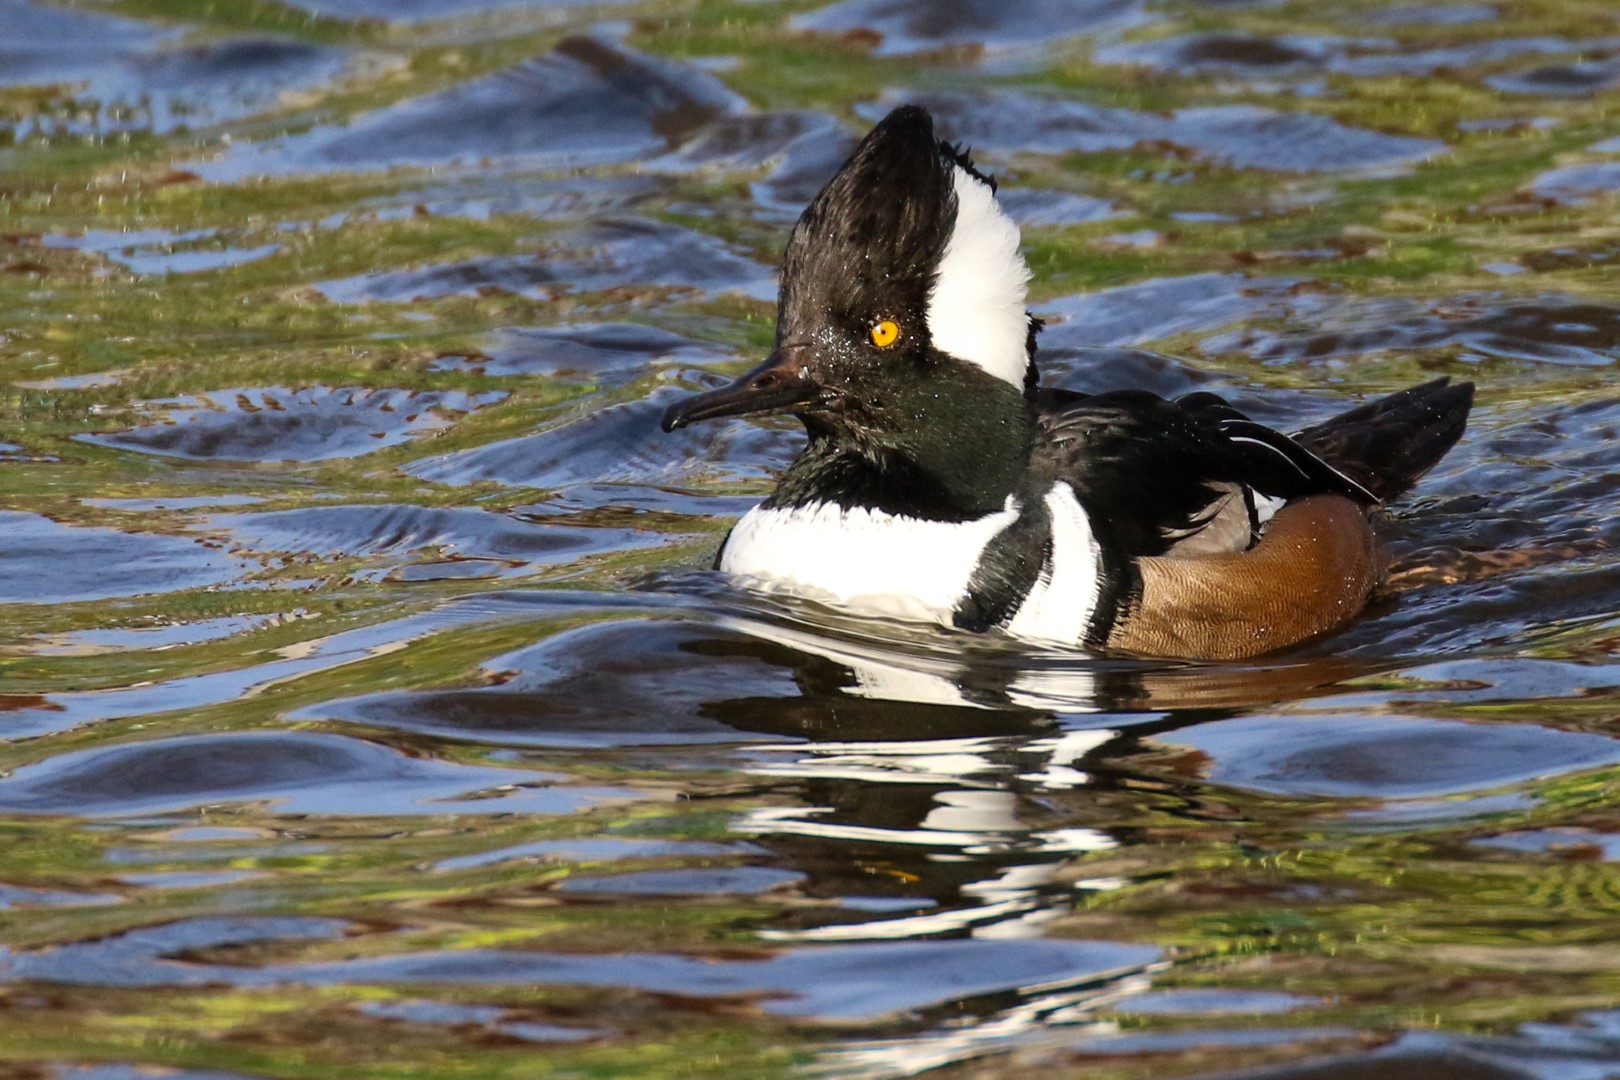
[(1227, 524)]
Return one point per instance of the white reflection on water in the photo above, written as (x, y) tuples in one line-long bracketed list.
[(1047, 1014), (984, 782)]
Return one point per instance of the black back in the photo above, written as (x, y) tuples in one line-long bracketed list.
[(1149, 470)]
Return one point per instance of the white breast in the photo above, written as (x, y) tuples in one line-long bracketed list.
[(1060, 606), (864, 560)]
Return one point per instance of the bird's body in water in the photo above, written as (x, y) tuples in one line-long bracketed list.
[(941, 483)]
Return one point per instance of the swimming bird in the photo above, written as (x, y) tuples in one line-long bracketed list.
[(943, 483)]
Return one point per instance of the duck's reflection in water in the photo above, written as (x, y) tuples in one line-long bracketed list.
[(950, 788), (953, 792), (918, 786)]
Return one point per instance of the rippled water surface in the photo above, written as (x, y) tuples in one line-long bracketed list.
[(368, 708)]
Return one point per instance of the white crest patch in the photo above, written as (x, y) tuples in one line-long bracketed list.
[(977, 308), (863, 560), (1060, 606)]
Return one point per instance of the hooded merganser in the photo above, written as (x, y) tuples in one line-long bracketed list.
[(942, 483)]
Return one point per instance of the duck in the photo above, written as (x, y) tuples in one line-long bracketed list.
[(943, 483)]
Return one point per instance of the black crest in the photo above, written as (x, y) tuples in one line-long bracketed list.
[(875, 234)]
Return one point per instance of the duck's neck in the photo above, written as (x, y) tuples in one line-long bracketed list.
[(937, 450)]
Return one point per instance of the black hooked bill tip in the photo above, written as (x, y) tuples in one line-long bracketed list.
[(777, 385)]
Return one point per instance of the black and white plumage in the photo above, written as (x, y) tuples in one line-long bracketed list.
[(942, 483)]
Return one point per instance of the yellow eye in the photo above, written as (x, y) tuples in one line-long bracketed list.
[(885, 333)]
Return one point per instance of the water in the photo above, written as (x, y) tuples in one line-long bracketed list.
[(368, 706)]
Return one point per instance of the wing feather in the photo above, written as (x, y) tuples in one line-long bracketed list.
[(1176, 477)]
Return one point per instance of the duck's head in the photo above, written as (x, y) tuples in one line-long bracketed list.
[(902, 300)]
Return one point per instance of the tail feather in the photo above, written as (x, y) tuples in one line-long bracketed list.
[(1385, 445)]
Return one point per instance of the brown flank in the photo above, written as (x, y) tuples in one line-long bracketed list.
[(1312, 571)]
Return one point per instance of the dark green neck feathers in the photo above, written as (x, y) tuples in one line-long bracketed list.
[(945, 444)]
